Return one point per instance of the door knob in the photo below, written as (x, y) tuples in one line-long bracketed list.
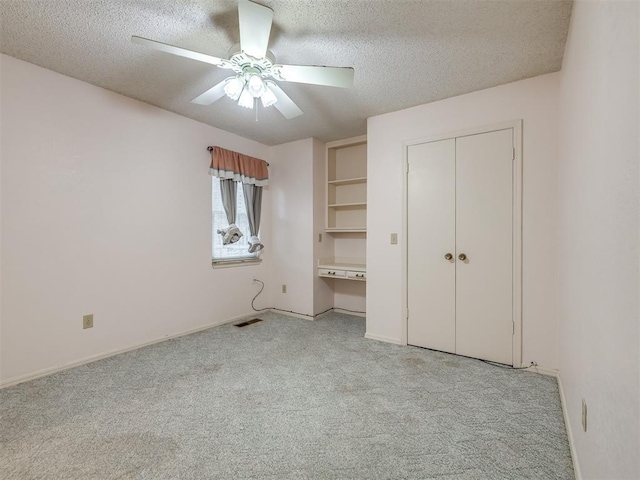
[(462, 257), (448, 256)]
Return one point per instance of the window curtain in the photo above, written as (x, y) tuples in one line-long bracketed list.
[(228, 191), (253, 202), (231, 167)]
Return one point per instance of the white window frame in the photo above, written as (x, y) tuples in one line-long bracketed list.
[(219, 221)]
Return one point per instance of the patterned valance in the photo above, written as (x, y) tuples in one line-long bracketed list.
[(229, 165)]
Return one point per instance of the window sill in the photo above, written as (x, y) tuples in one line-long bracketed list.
[(235, 262)]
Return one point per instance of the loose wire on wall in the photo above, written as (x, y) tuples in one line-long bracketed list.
[(291, 311)]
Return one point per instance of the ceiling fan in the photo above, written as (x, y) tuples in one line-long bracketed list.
[(254, 68)]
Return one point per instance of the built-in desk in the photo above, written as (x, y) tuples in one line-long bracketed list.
[(343, 268)]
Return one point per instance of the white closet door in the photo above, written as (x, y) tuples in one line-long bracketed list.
[(430, 236), (484, 169)]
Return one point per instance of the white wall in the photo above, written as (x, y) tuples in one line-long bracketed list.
[(598, 236), (533, 100), (105, 210), (350, 295), (292, 226)]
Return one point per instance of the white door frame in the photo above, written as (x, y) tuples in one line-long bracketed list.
[(516, 125)]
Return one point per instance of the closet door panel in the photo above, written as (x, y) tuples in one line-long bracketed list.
[(484, 216), (430, 236)]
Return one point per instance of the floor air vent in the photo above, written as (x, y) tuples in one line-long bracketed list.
[(248, 322)]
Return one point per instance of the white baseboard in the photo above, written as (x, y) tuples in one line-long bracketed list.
[(290, 314), (542, 371), (323, 314), (312, 317), (382, 338), (572, 447), (94, 358), (339, 310)]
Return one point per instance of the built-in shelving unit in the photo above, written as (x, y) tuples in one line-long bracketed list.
[(346, 222), (347, 186)]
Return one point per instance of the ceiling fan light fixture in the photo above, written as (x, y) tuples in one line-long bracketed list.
[(253, 65), (256, 86), (268, 97), (246, 99), (234, 86)]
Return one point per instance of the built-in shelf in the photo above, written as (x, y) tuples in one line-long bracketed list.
[(348, 205), (348, 181), (347, 185), (346, 230)]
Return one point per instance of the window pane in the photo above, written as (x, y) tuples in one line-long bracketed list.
[(219, 221)]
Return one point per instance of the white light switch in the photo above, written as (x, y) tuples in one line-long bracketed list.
[(394, 239)]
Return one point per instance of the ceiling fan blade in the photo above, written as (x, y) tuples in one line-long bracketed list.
[(255, 28), (211, 95), (182, 52), (317, 75), (284, 104)]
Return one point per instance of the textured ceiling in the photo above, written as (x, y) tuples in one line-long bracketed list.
[(405, 53)]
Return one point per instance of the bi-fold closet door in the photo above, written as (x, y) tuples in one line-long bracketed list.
[(460, 245)]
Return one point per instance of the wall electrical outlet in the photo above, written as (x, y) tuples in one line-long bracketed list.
[(87, 321), (284, 288), (394, 239), (584, 415)]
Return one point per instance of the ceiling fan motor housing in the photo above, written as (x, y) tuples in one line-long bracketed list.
[(243, 63)]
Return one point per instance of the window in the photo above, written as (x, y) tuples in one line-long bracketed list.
[(238, 251)]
